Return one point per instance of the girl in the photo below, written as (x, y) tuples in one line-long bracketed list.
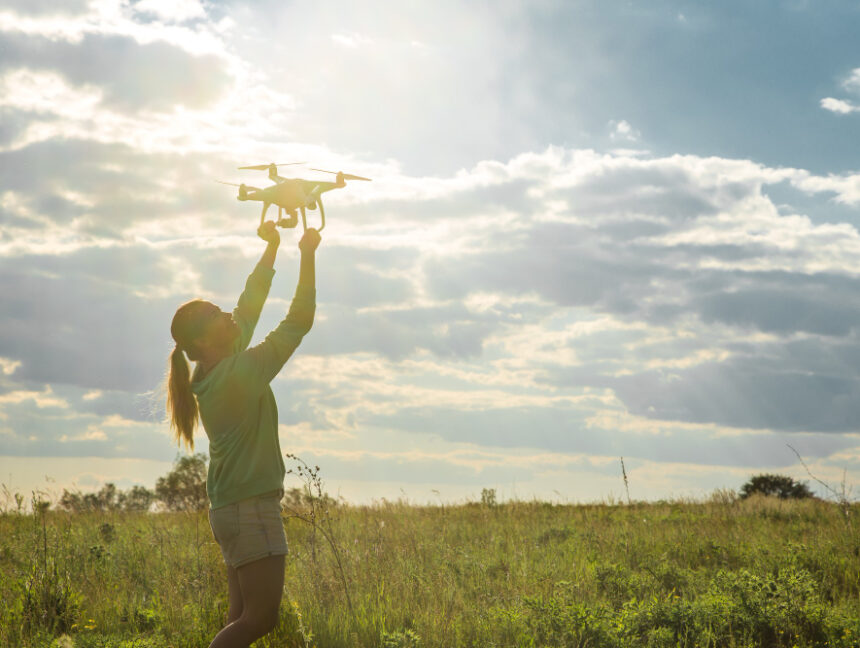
[(230, 391)]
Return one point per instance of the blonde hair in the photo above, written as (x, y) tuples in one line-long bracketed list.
[(182, 409), (181, 401)]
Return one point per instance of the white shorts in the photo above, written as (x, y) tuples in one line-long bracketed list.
[(250, 529)]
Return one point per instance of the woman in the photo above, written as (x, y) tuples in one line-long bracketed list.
[(230, 391)]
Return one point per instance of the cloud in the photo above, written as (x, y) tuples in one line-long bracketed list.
[(622, 130), (352, 40), (839, 106), (570, 269), (850, 84), (172, 10), (73, 23), (41, 399), (39, 424), (47, 7), (752, 392), (8, 366), (107, 76), (132, 75), (845, 186)]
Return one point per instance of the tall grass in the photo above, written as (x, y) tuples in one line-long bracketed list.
[(758, 572)]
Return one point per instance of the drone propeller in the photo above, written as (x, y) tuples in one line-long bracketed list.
[(346, 176), (263, 167)]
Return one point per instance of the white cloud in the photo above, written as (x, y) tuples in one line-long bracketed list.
[(172, 10), (115, 18), (351, 40), (852, 83), (839, 106), (92, 434), (8, 366), (622, 130), (69, 112), (48, 92), (42, 399), (846, 187)]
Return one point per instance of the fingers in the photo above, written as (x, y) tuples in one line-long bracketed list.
[(310, 240), (268, 233)]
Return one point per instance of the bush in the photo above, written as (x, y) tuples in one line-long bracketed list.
[(779, 486)]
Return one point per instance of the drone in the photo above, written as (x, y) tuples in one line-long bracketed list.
[(291, 195)]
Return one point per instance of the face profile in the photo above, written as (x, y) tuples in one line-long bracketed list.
[(200, 326)]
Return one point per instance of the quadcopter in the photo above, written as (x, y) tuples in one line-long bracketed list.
[(291, 195)]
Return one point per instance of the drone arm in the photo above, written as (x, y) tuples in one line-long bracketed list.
[(317, 187)]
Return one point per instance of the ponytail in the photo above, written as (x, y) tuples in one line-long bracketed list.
[(181, 402)]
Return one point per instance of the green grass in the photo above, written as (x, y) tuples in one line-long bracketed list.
[(758, 572)]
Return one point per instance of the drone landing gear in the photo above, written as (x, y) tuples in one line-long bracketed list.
[(322, 215), (312, 206), (293, 220)]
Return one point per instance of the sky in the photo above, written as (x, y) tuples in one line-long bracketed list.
[(595, 230)]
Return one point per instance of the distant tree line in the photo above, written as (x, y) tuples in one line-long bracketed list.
[(182, 489)]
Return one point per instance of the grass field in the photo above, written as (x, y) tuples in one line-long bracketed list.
[(757, 572)]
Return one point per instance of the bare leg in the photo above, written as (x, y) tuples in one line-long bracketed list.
[(235, 594), (261, 584)]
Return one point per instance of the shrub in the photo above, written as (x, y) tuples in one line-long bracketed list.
[(780, 486)]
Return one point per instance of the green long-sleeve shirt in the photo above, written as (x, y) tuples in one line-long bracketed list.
[(237, 406)]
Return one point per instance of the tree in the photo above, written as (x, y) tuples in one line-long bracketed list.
[(71, 501), (184, 487), (780, 486), (109, 498), (139, 498)]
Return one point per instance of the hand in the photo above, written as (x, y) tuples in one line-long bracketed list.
[(310, 241), (268, 233)]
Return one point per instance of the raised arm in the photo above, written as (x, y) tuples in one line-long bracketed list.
[(247, 311), (260, 364), (308, 246), (269, 233)]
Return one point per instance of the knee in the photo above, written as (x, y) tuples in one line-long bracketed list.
[(233, 615), (269, 622), (262, 621)]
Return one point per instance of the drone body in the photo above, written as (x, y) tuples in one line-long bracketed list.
[(292, 195)]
